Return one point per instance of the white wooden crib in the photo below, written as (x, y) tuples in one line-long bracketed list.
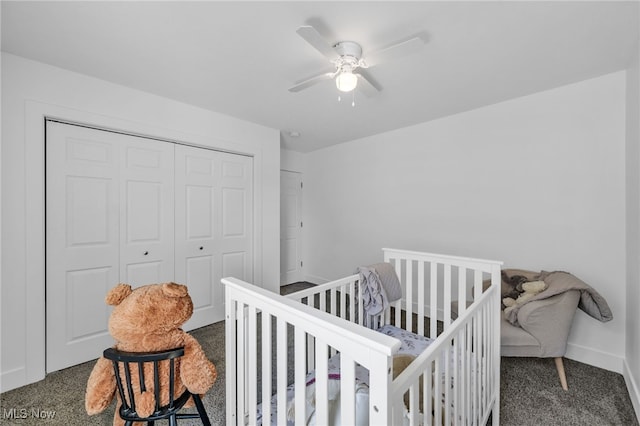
[(457, 377)]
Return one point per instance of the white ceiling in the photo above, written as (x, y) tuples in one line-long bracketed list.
[(239, 58)]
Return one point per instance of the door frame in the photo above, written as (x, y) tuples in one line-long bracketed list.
[(36, 114)]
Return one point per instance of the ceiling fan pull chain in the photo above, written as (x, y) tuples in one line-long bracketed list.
[(353, 100)]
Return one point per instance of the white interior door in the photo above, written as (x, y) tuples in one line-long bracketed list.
[(290, 227), (214, 227), (197, 261), (236, 226), (82, 241), (146, 211)]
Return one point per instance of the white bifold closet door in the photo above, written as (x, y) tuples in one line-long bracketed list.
[(214, 204), (122, 208)]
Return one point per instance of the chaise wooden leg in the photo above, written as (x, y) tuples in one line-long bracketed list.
[(560, 368)]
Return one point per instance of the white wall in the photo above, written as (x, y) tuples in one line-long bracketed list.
[(292, 161), (537, 182), (32, 90), (632, 358)]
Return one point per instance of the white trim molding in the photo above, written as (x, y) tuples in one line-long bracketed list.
[(594, 357)]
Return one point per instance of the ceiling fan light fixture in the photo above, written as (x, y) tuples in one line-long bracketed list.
[(346, 81)]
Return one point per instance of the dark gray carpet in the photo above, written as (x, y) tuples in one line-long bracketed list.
[(530, 392)]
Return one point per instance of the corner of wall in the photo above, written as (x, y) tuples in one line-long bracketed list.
[(632, 388)]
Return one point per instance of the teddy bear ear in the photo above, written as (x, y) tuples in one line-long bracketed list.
[(174, 290), (118, 294)]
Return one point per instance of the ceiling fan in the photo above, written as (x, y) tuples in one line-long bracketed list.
[(349, 62)]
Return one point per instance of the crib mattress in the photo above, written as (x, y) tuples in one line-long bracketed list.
[(410, 343)]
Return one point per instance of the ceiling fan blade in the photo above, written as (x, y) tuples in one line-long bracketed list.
[(366, 85), (311, 81), (387, 54), (313, 37)]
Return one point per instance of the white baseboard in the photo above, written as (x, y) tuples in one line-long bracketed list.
[(632, 387), (12, 379), (316, 280), (594, 357)]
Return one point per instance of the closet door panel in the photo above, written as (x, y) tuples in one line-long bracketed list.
[(197, 256), (146, 212), (236, 236), (82, 193)]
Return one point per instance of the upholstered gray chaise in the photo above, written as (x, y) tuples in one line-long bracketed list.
[(544, 328)]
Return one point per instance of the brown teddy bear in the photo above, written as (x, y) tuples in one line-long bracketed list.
[(148, 319)]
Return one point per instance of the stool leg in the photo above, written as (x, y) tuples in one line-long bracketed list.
[(560, 368), (201, 410)]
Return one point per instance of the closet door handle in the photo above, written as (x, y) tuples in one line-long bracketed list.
[(146, 253), (201, 248)]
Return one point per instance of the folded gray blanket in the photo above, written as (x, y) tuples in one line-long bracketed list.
[(591, 302), (380, 286)]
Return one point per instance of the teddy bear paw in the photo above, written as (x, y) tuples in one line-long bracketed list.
[(145, 404)]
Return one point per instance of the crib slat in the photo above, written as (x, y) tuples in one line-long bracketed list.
[(231, 361), (352, 301), (252, 371), (447, 295), (466, 385), (486, 363), (266, 368), (414, 409), (322, 374), (398, 266), (397, 413), (467, 388), (281, 356), (360, 305), (482, 356), (323, 301), (300, 374), (476, 363), (409, 295), (427, 385), (437, 390), (343, 302), (496, 317), (433, 319), (458, 375), (347, 386), (462, 290), (243, 381), (311, 352), (333, 309), (477, 284), (446, 353), (421, 298)]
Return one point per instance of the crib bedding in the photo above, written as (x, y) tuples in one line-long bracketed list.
[(410, 344)]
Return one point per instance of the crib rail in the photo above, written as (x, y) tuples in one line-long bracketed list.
[(248, 308), (455, 382)]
